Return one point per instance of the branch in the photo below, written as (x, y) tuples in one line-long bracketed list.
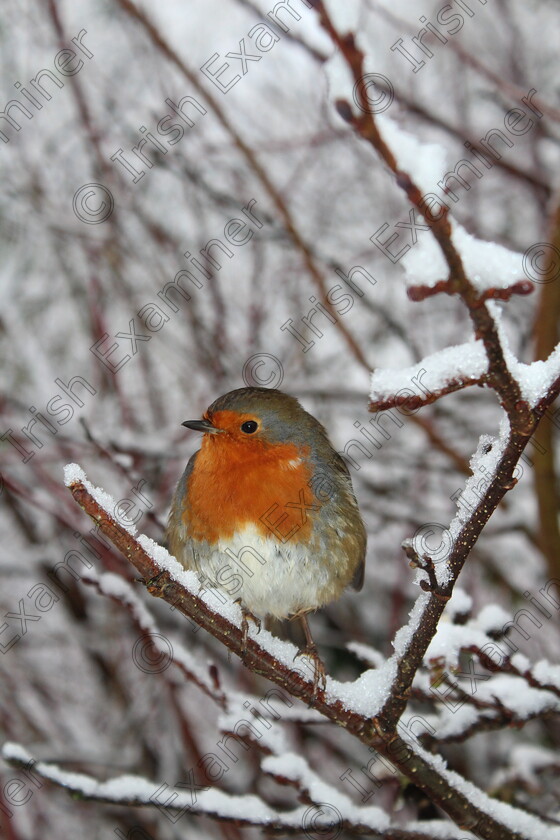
[(532, 179), (411, 657), (199, 800), (493, 716), (500, 720), (500, 378), (508, 667), (520, 287), (512, 91), (305, 249), (434, 376), (415, 401), (522, 419), (165, 578)]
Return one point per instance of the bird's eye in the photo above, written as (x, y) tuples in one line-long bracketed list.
[(249, 426)]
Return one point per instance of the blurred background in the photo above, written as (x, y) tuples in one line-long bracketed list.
[(114, 328)]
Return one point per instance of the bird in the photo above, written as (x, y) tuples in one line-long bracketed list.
[(265, 511)]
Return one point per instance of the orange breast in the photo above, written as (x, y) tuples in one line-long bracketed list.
[(234, 484)]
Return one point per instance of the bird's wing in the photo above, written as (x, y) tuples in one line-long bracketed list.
[(340, 465), (177, 504), (358, 579)]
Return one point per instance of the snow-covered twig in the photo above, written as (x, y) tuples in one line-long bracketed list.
[(313, 820), (441, 373), (457, 282), (542, 676), (165, 578), (500, 371)]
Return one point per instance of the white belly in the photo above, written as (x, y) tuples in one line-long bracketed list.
[(269, 577)]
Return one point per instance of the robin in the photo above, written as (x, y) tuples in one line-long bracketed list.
[(266, 512)]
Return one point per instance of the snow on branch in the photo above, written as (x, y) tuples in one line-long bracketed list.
[(394, 147), (441, 373), (213, 610), (327, 811), (455, 263), (138, 791), (539, 378), (359, 706), (494, 271), (507, 693), (526, 763)]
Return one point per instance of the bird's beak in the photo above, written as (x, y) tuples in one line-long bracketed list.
[(204, 426)]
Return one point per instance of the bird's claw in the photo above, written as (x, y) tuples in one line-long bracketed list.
[(245, 616), (319, 674)]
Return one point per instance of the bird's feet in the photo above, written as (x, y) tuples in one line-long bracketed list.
[(319, 674), (245, 616), (310, 650)]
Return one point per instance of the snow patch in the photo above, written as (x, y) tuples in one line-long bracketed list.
[(461, 362), (487, 264)]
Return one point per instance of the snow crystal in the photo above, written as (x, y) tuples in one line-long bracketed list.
[(165, 561), (546, 673), (515, 694), (487, 264), (512, 692), (403, 636), (368, 694), (519, 660), (440, 830), (73, 474), (450, 638), (15, 752)]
